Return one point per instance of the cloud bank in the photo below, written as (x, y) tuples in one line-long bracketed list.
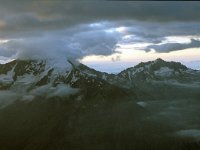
[(74, 29), (163, 48), (23, 16)]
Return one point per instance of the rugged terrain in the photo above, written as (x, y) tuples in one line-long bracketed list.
[(45, 105)]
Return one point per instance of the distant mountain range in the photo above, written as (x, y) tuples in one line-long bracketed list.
[(35, 76), (48, 106)]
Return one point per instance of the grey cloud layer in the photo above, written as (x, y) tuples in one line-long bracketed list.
[(63, 28), (74, 43), (99, 39), (156, 33), (174, 46), (23, 16)]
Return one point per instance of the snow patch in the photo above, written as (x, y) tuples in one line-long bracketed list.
[(164, 72), (26, 79), (60, 67), (104, 77), (142, 104), (7, 78)]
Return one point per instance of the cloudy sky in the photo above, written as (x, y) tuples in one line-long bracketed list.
[(106, 35)]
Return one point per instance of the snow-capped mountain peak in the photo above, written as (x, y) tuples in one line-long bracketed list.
[(34, 76), (156, 70), (30, 75)]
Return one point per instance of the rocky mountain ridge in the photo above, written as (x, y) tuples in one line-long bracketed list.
[(31, 73)]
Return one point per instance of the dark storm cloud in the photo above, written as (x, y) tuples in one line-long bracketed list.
[(158, 35), (21, 16), (163, 48), (81, 28), (67, 43)]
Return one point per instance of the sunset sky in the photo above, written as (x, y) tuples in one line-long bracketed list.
[(106, 35)]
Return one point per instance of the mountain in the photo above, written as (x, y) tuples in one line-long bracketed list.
[(47, 75), (46, 105), (39, 73), (157, 70), (33, 78), (161, 80)]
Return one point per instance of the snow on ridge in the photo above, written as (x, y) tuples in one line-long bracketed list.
[(60, 67), (164, 71), (7, 78), (26, 79), (34, 71)]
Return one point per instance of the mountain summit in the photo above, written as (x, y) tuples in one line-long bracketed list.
[(156, 70), (36, 76), (43, 78)]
